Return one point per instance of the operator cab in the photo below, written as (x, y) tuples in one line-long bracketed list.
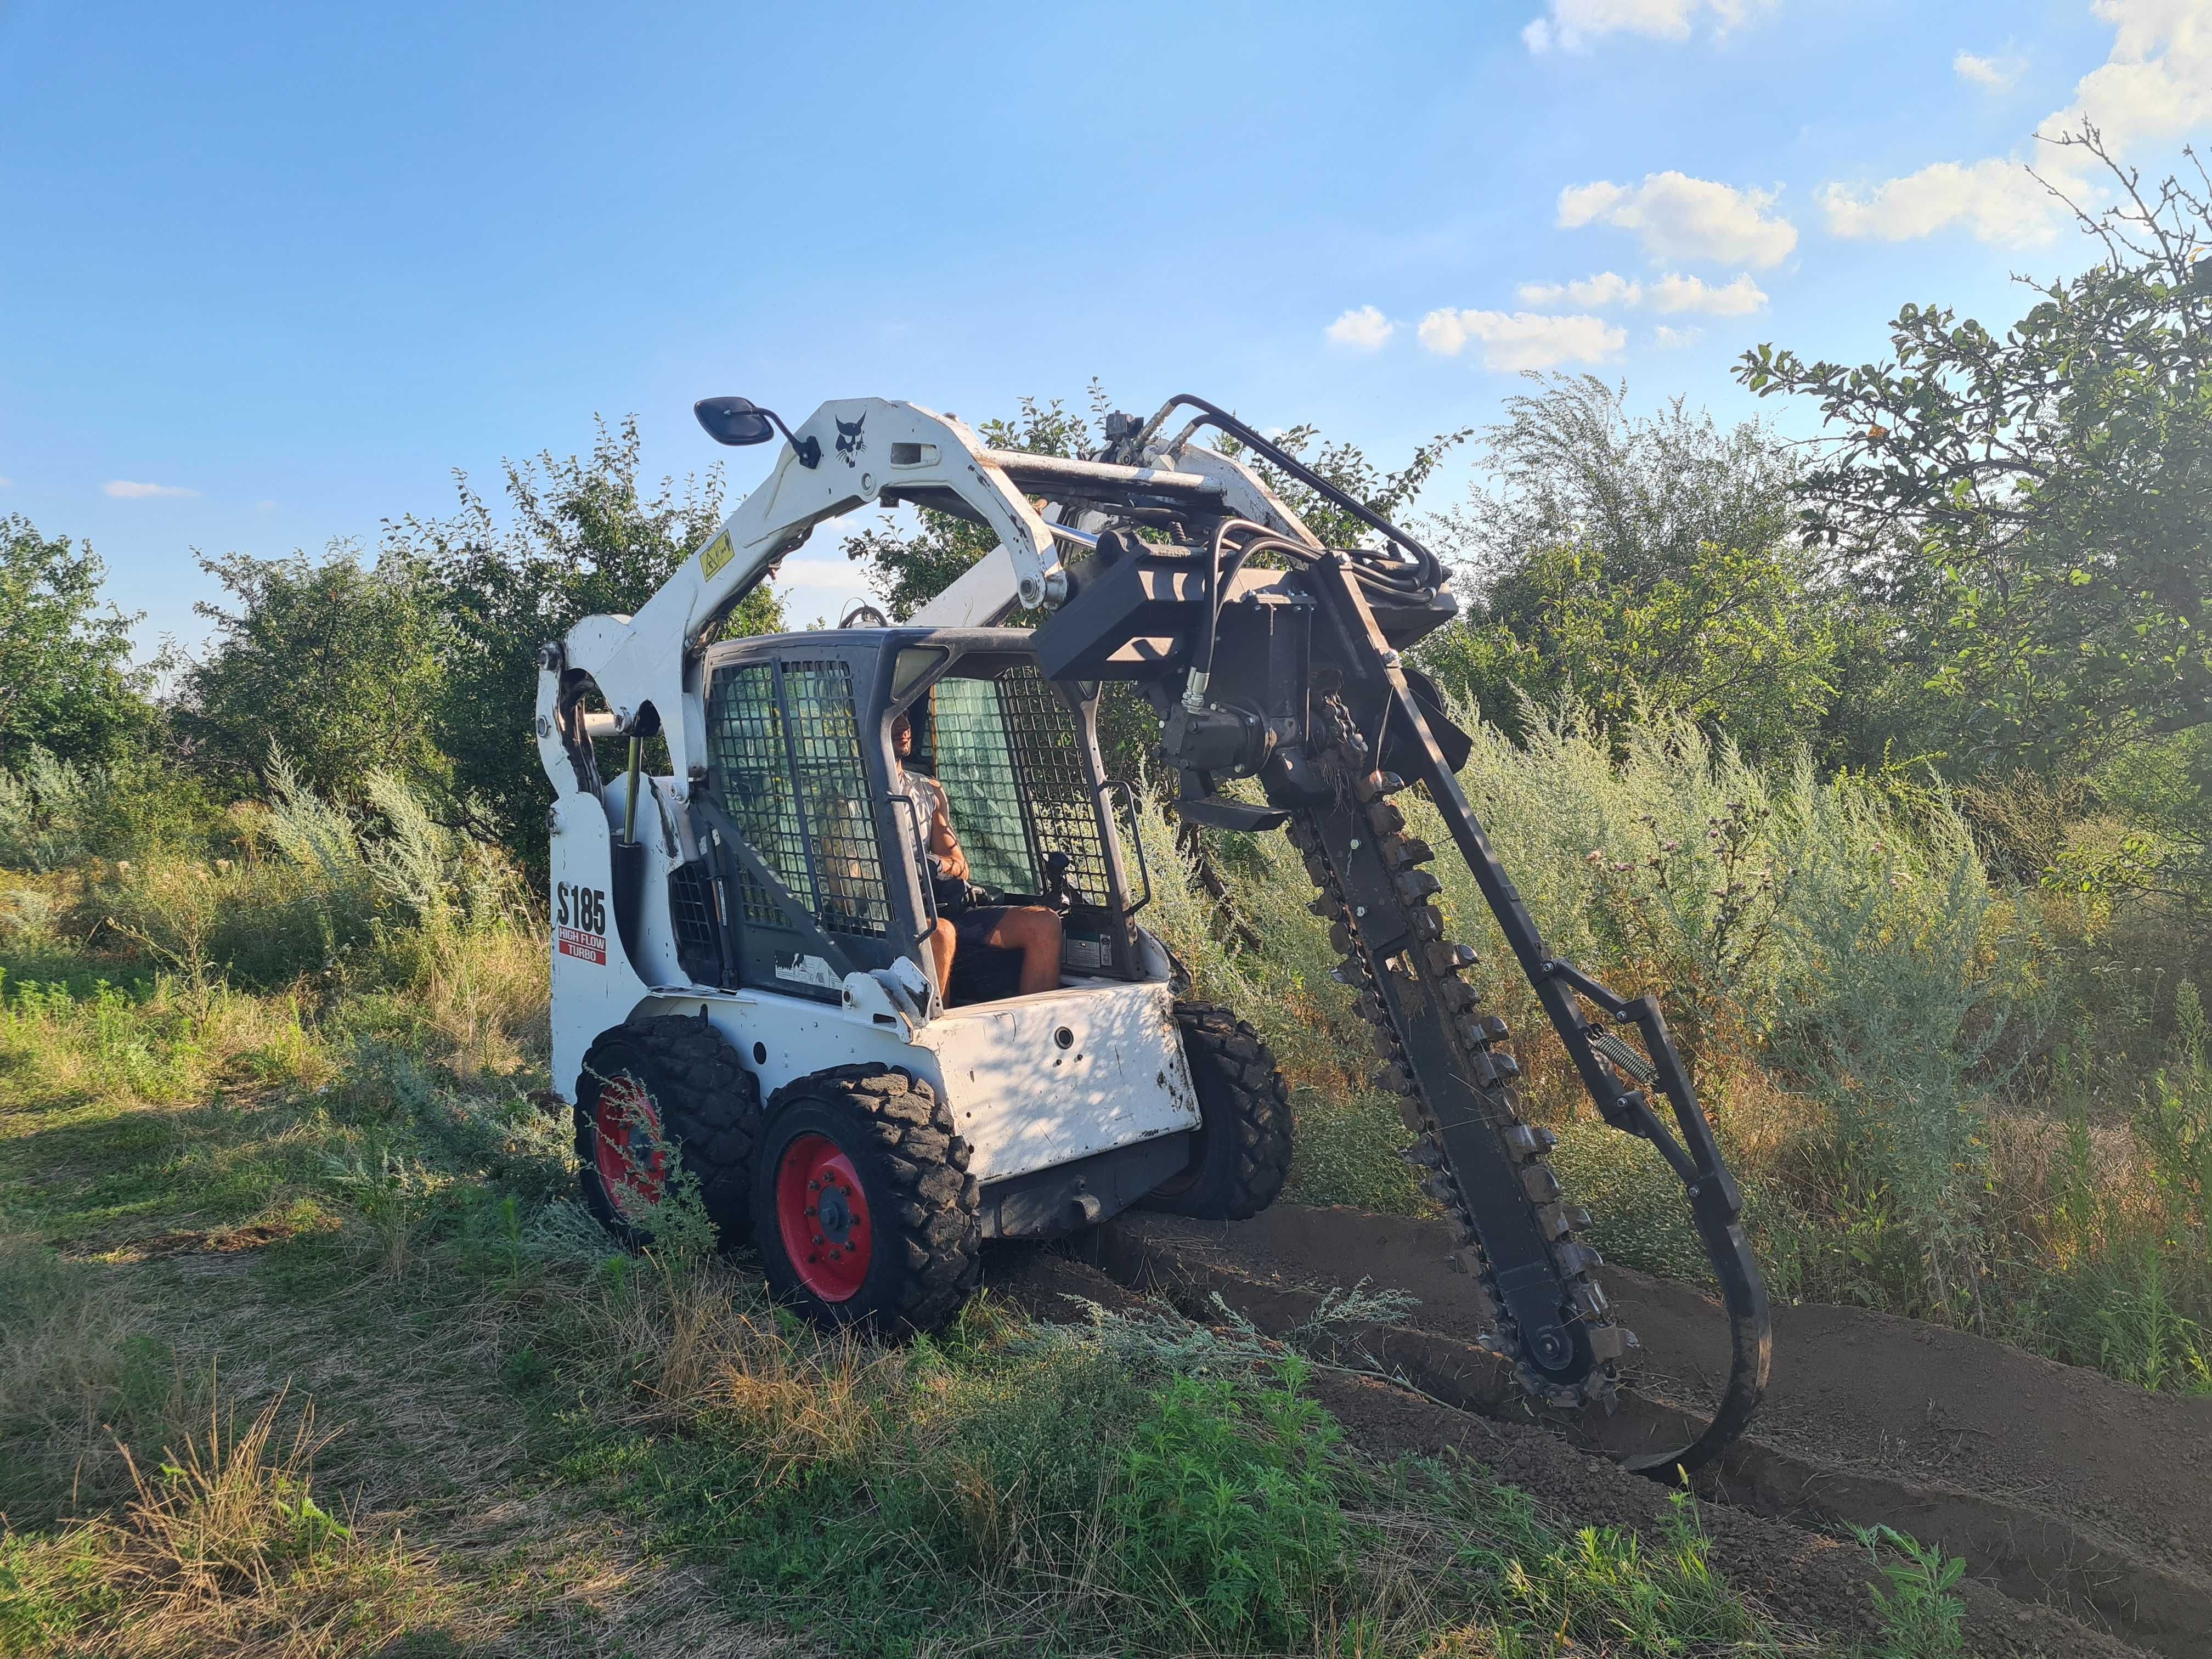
[(826, 871)]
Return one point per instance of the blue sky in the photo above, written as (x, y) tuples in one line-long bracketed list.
[(269, 273)]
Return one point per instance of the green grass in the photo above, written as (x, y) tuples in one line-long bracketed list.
[(541, 1445), (538, 1444), (1121, 1487)]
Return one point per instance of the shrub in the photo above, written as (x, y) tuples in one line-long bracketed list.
[(1842, 978), (313, 883), (1227, 1508)]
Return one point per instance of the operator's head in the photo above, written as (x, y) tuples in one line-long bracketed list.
[(902, 734)]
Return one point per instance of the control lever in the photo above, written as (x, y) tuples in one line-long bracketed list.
[(1059, 892)]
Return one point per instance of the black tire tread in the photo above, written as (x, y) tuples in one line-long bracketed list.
[(1251, 1099), (932, 1229), (712, 1111)]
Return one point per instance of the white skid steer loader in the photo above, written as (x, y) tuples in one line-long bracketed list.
[(747, 987), (742, 986)]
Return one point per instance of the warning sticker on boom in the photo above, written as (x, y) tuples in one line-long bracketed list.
[(716, 554)]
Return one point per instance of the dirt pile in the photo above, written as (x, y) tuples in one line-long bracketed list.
[(2065, 1490)]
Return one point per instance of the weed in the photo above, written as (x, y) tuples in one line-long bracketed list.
[(1920, 1618), (393, 1199), (1228, 1511), (221, 1545)]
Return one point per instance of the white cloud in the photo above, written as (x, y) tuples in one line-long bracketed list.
[(1997, 74), (1571, 24), (124, 490), (1669, 295), (1679, 217), (1364, 329), (7, 483), (2155, 84), (265, 507), (1670, 339), (1522, 339), (1606, 289), (1673, 293), (1997, 200)]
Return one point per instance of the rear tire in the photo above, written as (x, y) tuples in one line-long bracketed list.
[(863, 1209), (1241, 1155), (654, 1095)]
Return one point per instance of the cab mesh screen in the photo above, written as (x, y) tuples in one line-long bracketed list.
[(1009, 752), (787, 760), (833, 798)]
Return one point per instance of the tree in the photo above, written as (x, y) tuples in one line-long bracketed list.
[(581, 541), (1347, 466), (333, 665), (1638, 565), (66, 684), (2034, 511)]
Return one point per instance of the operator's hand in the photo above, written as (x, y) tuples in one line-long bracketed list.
[(953, 862)]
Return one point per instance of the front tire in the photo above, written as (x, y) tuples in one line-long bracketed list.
[(864, 1211), (1242, 1152), (656, 1095)]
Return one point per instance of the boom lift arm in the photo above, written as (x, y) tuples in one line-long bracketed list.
[(1291, 674)]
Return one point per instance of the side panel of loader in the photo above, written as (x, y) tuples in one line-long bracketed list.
[(594, 987)]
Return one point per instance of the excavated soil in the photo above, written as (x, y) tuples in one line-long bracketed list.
[(1810, 1582), (2067, 1493), (1855, 1390)]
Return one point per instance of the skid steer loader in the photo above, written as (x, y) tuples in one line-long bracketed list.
[(745, 991)]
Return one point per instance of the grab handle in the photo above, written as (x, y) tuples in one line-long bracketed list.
[(922, 866), (1136, 834)]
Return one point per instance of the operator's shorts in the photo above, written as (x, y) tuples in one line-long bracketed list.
[(973, 925)]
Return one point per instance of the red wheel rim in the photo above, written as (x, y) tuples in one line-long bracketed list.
[(823, 1215), (630, 1153)]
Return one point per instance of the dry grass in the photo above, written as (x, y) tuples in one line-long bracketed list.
[(75, 1384), (705, 1347), (222, 1548)]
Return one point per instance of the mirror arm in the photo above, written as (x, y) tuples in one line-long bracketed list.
[(809, 450)]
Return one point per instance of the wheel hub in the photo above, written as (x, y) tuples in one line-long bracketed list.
[(822, 1213), (629, 1149)]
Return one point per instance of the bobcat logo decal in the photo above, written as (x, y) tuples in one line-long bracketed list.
[(850, 441)]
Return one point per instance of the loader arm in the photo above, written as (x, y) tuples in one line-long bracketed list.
[(868, 451)]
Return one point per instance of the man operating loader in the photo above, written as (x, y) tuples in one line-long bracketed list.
[(1031, 929)]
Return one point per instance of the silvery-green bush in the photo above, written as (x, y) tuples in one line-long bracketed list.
[(1845, 940), (47, 809)]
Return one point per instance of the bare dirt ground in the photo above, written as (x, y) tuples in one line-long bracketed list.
[(2082, 1506)]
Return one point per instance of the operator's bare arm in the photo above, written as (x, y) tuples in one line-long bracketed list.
[(944, 845)]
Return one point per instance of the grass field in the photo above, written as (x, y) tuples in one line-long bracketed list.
[(304, 1351)]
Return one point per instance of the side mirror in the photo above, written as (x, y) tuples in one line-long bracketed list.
[(733, 421), (741, 421)]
